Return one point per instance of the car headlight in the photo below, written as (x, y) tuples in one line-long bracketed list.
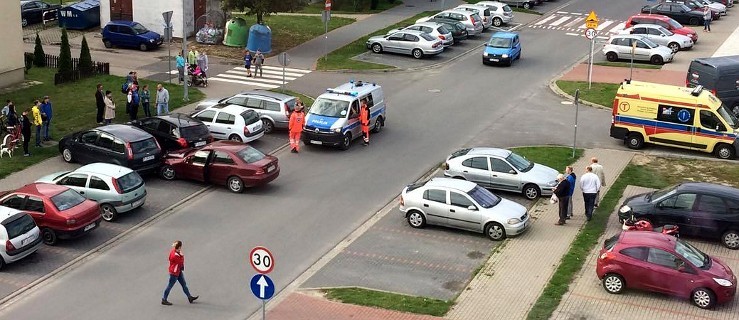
[(552, 183), (624, 209), (151, 40), (504, 56), (336, 130), (722, 282), (517, 220), (484, 54)]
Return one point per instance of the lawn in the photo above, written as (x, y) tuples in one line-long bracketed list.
[(363, 7), (599, 93), (341, 59), (623, 64), (554, 157), (73, 109), (391, 301)]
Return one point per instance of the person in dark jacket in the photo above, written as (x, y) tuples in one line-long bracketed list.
[(176, 274), (100, 103), (571, 178), (46, 112), (26, 130), (562, 191)]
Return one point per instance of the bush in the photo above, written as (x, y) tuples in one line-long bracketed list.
[(65, 57), (85, 63), (28, 59), (39, 57)]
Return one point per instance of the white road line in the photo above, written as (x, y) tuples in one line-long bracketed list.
[(604, 25), (558, 22), (268, 86), (582, 26), (602, 37), (563, 12), (266, 75), (278, 68), (618, 28), (573, 34), (573, 22), (542, 21), (577, 14), (256, 80), (269, 71), (173, 72)]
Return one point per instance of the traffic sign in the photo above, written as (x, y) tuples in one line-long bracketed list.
[(262, 286), (261, 260), (328, 5), (283, 59), (167, 15), (590, 33), (592, 20)]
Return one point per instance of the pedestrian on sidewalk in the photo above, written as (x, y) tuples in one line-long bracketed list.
[(202, 60), (295, 126), (707, 16), (133, 109), (26, 130), (247, 62), (258, 61), (109, 107), (145, 99), (364, 121), (192, 59), (598, 170), (162, 100), (100, 103), (180, 67), (562, 191), (46, 113), (176, 273), (37, 120), (589, 184), (571, 178)]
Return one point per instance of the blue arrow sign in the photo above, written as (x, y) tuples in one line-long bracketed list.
[(262, 286)]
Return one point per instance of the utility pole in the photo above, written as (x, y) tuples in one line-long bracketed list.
[(184, 52)]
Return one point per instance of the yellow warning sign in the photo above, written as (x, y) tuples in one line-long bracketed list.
[(592, 20)]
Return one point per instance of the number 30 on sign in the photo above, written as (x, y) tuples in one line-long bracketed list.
[(590, 33), (261, 260)]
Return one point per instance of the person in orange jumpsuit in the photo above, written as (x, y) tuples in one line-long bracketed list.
[(295, 126), (364, 120)]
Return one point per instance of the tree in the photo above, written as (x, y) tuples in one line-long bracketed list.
[(260, 8), (65, 57), (85, 64), (39, 57), (373, 4)]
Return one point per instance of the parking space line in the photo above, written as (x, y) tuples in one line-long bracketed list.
[(458, 268), (631, 303), (434, 236)]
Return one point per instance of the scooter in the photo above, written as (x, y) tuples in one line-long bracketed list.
[(630, 223)]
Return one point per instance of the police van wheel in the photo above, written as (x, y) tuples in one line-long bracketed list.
[(725, 151), (347, 142), (635, 141), (379, 123)]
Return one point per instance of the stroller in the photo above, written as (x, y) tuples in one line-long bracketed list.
[(196, 77)]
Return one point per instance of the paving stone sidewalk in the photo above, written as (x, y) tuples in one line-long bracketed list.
[(299, 306)]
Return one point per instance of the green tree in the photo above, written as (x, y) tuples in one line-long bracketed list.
[(65, 57), (260, 8), (374, 4), (39, 57), (85, 64)]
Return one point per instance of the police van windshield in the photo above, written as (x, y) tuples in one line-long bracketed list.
[(728, 116), (330, 108)]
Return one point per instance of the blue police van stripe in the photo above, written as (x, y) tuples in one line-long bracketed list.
[(322, 122)]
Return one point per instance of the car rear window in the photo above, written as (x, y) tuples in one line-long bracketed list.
[(142, 146), (459, 153), (194, 132), (129, 182), (67, 200), (250, 154), (442, 30), (250, 116), (610, 242), (427, 37), (506, 8), (19, 226)]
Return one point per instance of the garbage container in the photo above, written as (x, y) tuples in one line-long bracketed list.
[(260, 38), (236, 33), (81, 15)]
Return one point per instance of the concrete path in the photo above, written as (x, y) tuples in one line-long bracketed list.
[(605, 74)]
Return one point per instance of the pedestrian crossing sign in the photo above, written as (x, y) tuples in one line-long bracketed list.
[(592, 20)]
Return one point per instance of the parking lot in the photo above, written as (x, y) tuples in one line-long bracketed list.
[(588, 300)]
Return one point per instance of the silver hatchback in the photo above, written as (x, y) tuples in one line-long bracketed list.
[(273, 108), (413, 42), (501, 169)]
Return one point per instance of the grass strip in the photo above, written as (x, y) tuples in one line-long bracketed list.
[(599, 93), (622, 64), (390, 301), (554, 157)]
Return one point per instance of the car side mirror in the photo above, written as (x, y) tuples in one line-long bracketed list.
[(472, 208)]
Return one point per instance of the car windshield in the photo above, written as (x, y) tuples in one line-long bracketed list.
[(692, 254), (675, 24), (659, 194), (67, 200), (519, 162), (130, 182), (147, 145), (665, 31), (139, 29), (483, 197), (500, 42), (250, 154), (330, 108), (61, 175), (194, 132), (728, 116), (19, 226)]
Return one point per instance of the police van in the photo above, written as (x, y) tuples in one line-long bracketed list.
[(688, 118), (333, 119)]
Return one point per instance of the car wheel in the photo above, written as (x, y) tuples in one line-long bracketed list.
[(526, 5), (497, 22), (730, 239), (167, 172), (674, 46), (694, 21), (613, 283), (108, 212), (48, 236), (67, 155), (143, 47), (725, 151), (531, 191), (377, 48), (24, 22), (656, 59), (235, 137), (635, 141), (416, 219), (379, 123), (347, 142), (703, 298), (611, 56), (495, 231), (235, 184), (107, 44), (268, 125), (417, 53)]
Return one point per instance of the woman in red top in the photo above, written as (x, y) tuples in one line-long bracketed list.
[(176, 274)]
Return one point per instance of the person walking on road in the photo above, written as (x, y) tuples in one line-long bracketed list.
[(295, 126), (258, 61), (180, 67), (364, 120), (571, 178), (100, 103), (192, 59), (590, 185), (707, 16), (598, 170), (177, 274), (562, 191), (145, 98), (46, 113), (37, 120), (247, 62), (162, 100), (109, 107)]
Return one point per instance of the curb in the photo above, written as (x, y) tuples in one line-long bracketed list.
[(555, 88)]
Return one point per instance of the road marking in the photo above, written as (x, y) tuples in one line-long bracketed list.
[(247, 79), (265, 75), (604, 25), (272, 71), (573, 22), (303, 71), (563, 12), (618, 28), (573, 34), (268, 86), (559, 21), (545, 20), (399, 260)]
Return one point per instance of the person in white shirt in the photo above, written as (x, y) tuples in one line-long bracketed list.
[(590, 185), (598, 170)]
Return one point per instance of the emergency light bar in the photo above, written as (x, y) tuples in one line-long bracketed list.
[(697, 91), (353, 94)]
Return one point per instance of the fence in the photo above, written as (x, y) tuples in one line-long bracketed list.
[(52, 61)]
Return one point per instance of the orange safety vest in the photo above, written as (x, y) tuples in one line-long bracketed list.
[(364, 116), (296, 121)]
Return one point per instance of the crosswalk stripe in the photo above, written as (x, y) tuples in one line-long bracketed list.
[(269, 71), (266, 75), (573, 22), (618, 28), (543, 21), (268, 86), (232, 76), (604, 25), (303, 71), (558, 22)]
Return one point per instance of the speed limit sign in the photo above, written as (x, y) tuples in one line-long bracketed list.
[(261, 260), (590, 33)]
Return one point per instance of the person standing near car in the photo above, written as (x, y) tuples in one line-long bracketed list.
[(590, 185), (26, 130), (37, 120), (100, 103), (295, 126), (598, 170), (162, 100), (109, 107), (145, 98), (364, 120), (202, 60), (562, 191), (180, 67), (133, 101), (176, 273), (571, 178), (707, 16), (47, 111)]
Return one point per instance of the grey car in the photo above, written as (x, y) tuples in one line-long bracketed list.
[(413, 42), (434, 29), (501, 169), (273, 108)]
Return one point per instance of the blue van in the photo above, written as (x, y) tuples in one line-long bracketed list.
[(503, 47), (130, 34)]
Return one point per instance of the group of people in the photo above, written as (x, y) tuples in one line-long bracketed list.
[(135, 96), (257, 60), (590, 183), (38, 115), (197, 63)]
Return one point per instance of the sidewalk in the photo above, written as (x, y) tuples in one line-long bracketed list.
[(605, 74)]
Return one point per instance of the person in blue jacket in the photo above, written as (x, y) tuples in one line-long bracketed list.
[(46, 110), (571, 177)]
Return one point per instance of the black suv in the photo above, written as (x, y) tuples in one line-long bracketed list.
[(176, 131), (37, 11), (117, 144)]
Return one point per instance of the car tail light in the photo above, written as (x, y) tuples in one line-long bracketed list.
[(182, 142), (436, 45), (614, 112), (246, 131), (259, 171), (442, 37), (117, 186), (9, 247), (713, 91), (71, 222), (402, 201), (129, 151), (472, 19), (446, 166)]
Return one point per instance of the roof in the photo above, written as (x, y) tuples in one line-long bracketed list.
[(667, 91), (503, 34), (266, 93), (645, 25), (364, 86), (712, 188), (651, 15), (123, 22), (125, 132), (490, 152), (6, 212), (229, 108), (233, 146), (105, 169), (462, 11), (648, 238), (716, 62), (431, 23), (180, 119), (42, 189), (85, 5), (457, 184)]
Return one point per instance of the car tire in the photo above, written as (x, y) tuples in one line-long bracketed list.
[(526, 5), (143, 47), (495, 231), (235, 137), (167, 172), (497, 22), (268, 126), (416, 219), (107, 44), (612, 56), (694, 22), (347, 142), (377, 48), (635, 141), (724, 151), (614, 283), (656, 60), (379, 123), (49, 236), (703, 298), (531, 191), (108, 212), (235, 184), (730, 239), (417, 53), (67, 155), (674, 46), (24, 22)]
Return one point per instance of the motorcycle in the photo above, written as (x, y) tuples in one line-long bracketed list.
[(630, 223)]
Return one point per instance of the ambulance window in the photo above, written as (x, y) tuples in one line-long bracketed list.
[(710, 121), (675, 114)]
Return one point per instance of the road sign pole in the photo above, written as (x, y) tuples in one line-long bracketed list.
[(184, 53), (590, 67), (264, 314), (169, 58), (577, 110), (631, 71), (167, 15)]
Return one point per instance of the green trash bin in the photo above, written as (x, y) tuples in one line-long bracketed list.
[(236, 33)]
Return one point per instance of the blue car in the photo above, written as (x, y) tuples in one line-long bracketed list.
[(503, 47), (131, 35)]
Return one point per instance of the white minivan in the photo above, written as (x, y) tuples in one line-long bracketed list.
[(232, 122), (19, 235)]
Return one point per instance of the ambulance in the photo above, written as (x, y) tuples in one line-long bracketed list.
[(687, 118)]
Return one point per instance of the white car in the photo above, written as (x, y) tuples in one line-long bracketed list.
[(482, 11), (471, 20), (661, 36), (715, 6), (231, 122), (19, 235), (117, 189), (463, 205), (433, 28), (620, 46), (500, 12)]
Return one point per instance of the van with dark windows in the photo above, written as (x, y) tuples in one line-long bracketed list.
[(720, 75)]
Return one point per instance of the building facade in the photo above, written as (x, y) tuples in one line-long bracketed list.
[(12, 64), (149, 13)]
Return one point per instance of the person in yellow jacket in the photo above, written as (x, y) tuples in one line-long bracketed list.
[(37, 121)]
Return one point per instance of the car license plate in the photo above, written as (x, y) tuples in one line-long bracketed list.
[(257, 127), (148, 158), (199, 143), (89, 226), (494, 60), (137, 203), (270, 168), (316, 142)]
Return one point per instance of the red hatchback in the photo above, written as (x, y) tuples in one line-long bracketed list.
[(60, 212), (229, 163), (663, 21), (656, 262)]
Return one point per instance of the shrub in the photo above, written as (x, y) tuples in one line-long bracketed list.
[(65, 57), (39, 57)]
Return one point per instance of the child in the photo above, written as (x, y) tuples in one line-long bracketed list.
[(145, 97), (247, 63)]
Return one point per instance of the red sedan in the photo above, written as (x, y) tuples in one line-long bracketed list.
[(222, 162), (60, 212)]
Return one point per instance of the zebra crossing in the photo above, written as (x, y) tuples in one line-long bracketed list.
[(573, 24), (272, 76)]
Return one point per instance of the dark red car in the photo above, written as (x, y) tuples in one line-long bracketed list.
[(60, 212), (657, 262), (229, 163), (663, 21)]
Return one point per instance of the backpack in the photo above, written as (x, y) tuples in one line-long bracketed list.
[(124, 88)]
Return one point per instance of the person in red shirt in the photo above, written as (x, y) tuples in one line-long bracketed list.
[(295, 126), (364, 120), (176, 274)]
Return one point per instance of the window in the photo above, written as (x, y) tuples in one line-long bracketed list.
[(19, 226), (225, 118), (119, 146), (151, 123), (97, 183), (410, 38), (638, 253), (206, 116), (460, 200), (427, 36), (711, 204), (354, 110), (143, 146), (482, 196), (126, 30), (15, 201), (250, 154), (239, 101), (74, 180), (680, 201), (105, 141), (370, 100), (66, 200), (435, 195), (130, 182), (655, 32), (663, 258), (427, 29), (113, 28), (222, 157), (639, 30), (626, 42), (89, 137), (641, 45), (733, 206), (200, 157), (254, 103), (271, 105), (443, 30), (250, 117), (165, 127), (396, 37), (675, 114), (500, 165), (710, 121), (476, 163), (36, 204)]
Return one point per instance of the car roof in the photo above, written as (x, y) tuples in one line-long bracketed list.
[(465, 12), (42, 189), (180, 119), (228, 145), (498, 152), (126, 132), (457, 184), (416, 32), (645, 25), (647, 238), (105, 169), (123, 22), (266, 93), (6, 212), (712, 188), (432, 24), (725, 61), (229, 108), (630, 36), (503, 34), (365, 86), (650, 15)]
